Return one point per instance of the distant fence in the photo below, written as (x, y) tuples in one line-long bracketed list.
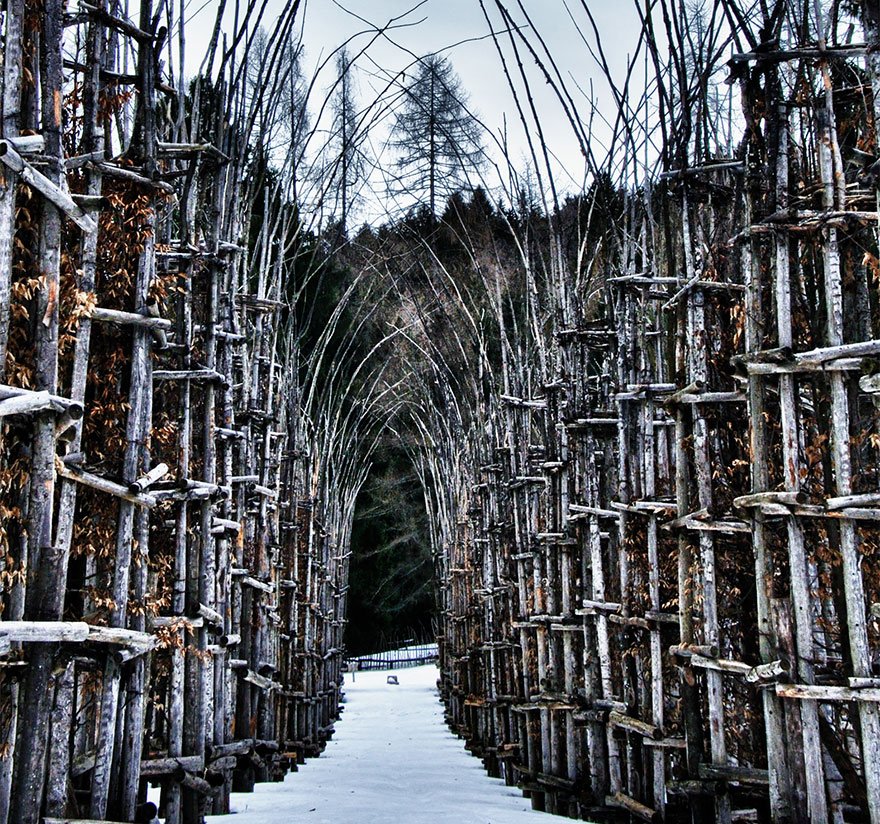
[(411, 656)]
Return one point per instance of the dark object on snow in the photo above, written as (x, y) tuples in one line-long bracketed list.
[(392, 679)]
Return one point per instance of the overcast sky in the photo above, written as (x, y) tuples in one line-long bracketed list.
[(458, 29)]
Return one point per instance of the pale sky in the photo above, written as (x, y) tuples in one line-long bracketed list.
[(458, 29)]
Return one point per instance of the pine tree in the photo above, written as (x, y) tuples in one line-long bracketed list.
[(299, 125), (438, 142), (350, 161)]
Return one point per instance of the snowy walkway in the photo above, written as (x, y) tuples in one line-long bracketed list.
[(391, 760)]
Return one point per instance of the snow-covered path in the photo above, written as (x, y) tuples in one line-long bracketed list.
[(392, 761)]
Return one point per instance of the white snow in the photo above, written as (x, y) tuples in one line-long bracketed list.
[(391, 760)]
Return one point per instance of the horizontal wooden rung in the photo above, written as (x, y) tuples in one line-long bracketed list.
[(51, 820), (261, 681), (73, 631), (28, 404), (255, 583), (759, 499), (165, 766), (689, 650), (593, 510), (148, 479), (182, 621), (643, 507), (44, 631), (601, 606), (636, 725), (129, 318), (667, 743), (703, 168), (710, 397), (662, 617), (510, 400), (634, 807), (28, 144), (815, 692), (207, 375), (583, 423), (630, 621), (17, 401), (771, 671), (100, 484), (784, 359), (731, 772), (814, 52), (720, 664), (867, 499)]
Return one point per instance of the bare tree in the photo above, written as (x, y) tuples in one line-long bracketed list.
[(299, 120), (348, 139), (438, 141)]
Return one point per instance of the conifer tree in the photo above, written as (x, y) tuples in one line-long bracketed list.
[(350, 162), (299, 125), (438, 142)]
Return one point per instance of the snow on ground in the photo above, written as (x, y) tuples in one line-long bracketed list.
[(391, 761)]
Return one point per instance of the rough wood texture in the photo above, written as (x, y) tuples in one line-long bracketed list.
[(678, 489), (662, 512), (197, 399)]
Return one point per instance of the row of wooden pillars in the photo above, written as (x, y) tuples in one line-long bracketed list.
[(173, 578), (660, 585)]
